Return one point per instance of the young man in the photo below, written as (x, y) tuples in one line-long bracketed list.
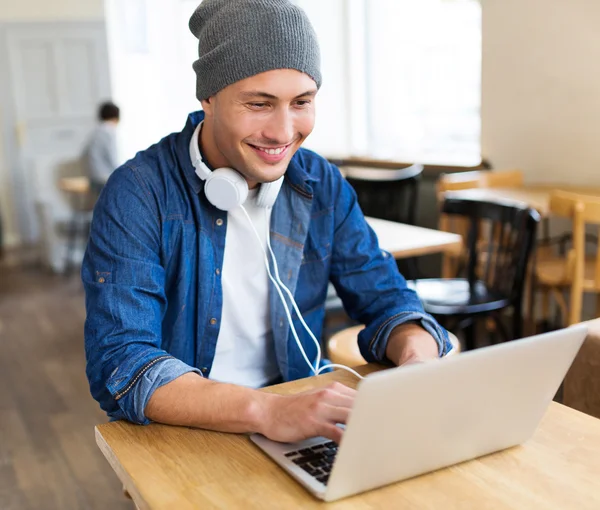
[(183, 322), (100, 154)]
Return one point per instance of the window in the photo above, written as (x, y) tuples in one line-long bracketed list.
[(411, 83), (423, 80), (401, 78)]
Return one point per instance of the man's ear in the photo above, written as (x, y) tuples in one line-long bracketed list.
[(207, 106)]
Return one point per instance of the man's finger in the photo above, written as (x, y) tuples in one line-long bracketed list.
[(336, 414), (343, 389), (344, 401), (331, 431)]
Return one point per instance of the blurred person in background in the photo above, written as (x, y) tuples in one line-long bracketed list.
[(100, 153)]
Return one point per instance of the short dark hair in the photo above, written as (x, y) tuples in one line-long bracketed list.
[(109, 111)]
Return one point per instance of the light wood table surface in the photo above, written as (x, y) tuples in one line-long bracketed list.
[(74, 184), (404, 241), (535, 196), (165, 467)]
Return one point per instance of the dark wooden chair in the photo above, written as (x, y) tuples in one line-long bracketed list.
[(496, 270), (387, 194)]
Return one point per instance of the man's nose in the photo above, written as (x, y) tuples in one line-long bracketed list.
[(280, 128)]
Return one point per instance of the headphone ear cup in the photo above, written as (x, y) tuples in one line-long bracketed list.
[(226, 189), (268, 193)]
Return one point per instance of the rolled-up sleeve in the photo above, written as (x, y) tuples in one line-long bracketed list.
[(163, 372)]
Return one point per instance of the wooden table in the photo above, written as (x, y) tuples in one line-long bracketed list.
[(75, 184), (404, 241), (165, 467), (535, 196)]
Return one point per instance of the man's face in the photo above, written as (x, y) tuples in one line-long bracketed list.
[(257, 124)]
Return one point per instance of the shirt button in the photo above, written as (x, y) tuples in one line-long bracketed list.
[(218, 271), (213, 321), (204, 370), (101, 279), (219, 222), (281, 323)]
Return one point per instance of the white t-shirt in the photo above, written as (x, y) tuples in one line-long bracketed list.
[(245, 353)]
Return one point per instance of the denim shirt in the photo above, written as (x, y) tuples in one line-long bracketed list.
[(151, 273)]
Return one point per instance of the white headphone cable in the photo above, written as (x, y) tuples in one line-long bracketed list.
[(287, 311), (280, 285)]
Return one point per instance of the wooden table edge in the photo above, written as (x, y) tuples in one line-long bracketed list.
[(450, 247), (122, 475)]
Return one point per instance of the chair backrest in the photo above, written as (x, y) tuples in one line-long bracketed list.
[(582, 210), (501, 260), (387, 194), (479, 179), (467, 180), (458, 181), (502, 179)]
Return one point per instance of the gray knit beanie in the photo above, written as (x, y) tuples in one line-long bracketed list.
[(240, 38)]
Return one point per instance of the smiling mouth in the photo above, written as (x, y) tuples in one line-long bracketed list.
[(273, 151)]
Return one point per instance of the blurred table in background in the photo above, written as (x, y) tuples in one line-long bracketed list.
[(79, 185), (535, 196), (404, 241)]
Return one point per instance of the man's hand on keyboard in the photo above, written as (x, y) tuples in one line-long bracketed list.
[(290, 418)]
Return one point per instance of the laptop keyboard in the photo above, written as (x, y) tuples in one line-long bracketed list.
[(316, 460)]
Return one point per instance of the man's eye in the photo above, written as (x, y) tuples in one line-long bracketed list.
[(302, 103), (258, 105)]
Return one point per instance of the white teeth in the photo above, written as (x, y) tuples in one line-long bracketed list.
[(272, 151)]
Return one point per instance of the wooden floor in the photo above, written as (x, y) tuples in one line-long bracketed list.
[(48, 456)]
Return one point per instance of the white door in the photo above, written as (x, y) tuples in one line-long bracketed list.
[(58, 73)]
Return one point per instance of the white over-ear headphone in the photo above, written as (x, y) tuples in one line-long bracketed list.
[(226, 188)]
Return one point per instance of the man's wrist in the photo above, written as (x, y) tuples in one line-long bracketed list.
[(259, 411), (411, 342)]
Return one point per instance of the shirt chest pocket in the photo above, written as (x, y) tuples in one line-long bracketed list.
[(317, 246), (316, 261)]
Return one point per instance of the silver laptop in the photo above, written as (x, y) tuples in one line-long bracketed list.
[(416, 419)]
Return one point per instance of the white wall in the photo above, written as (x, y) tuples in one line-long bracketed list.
[(332, 134), (541, 88), (31, 11), (7, 207), (51, 10), (152, 77)]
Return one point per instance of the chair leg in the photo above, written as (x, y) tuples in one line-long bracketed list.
[(545, 304), (470, 334), (413, 268), (501, 327), (517, 323)]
